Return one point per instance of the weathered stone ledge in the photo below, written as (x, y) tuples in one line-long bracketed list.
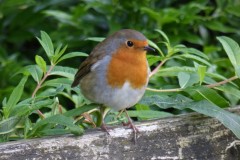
[(191, 136)]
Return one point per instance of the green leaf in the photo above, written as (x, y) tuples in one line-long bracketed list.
[(229, 89), (29, 105), (64, 72), (200, 93), (50, 92), (54, 132), (201, 73), (148, 114), (56, 119), (80, 110), (14, 97), (96, 39), (153, 59), (230, 120), (166, 102), (35, 72), (234, 9), (194, 51), (58, 53), (4, 102), (47, 44), (66, 82), (9, 125), (174, 71), (41, 63), (164, 35), (237, 70), (71, 55), (183, 79), (216, 25), (151, 43), (27, 127), (62, 17), (199, 59), (231, 48), (233, 51)]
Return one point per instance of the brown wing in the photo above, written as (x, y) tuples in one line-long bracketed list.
[(102, 49), (84, 69)]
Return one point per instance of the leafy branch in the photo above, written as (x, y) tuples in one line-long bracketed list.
[(16, 112), (231, 47), (201, 98)]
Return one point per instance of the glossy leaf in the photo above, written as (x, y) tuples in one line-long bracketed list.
[(230, 120), (35, 72), (153, 59), (201, 73), (58, 82), (56, 119), (233, 51), (174, 71), (71, 55), (148, 114), (163, 35), (185, 79), (151, 43), (80, 110), (200, 93), (96, 39), (47, 44), (14, 97), (194, 51), (64, 72), (190, 56), (58, 53), (41, 63), (8, 125)]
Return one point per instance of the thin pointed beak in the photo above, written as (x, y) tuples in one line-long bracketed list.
[(148, 48)]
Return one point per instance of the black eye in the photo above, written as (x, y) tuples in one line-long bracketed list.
[(129, 43)]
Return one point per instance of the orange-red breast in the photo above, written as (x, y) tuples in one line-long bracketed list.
[(116, 72)]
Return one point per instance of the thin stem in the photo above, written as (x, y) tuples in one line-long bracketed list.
[(39, 86), (165, 90), (209, 86), (157, 68), (221, 82)]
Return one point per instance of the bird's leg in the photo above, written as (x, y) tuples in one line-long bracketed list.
[(103, 112), (131, 125), (104, 128), (120, 112)]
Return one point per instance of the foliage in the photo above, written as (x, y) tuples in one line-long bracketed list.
[(196, 67), (15, 119)]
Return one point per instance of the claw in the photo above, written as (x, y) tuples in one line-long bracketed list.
[(103, 112), (131, 125), (104, 128)]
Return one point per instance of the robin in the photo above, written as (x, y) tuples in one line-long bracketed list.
[(115, 74)]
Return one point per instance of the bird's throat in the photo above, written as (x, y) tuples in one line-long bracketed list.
[(128, 67)]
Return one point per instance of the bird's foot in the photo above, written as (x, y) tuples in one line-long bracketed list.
[(131, 125), (104, 128)]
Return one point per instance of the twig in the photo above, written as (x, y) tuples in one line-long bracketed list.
[(222, 82), (209, 86), (157, 68), (39, 86)]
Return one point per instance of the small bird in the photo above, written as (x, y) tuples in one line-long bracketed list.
[(116, 72)]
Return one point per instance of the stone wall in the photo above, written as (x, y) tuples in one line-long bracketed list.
[(191, 136)]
